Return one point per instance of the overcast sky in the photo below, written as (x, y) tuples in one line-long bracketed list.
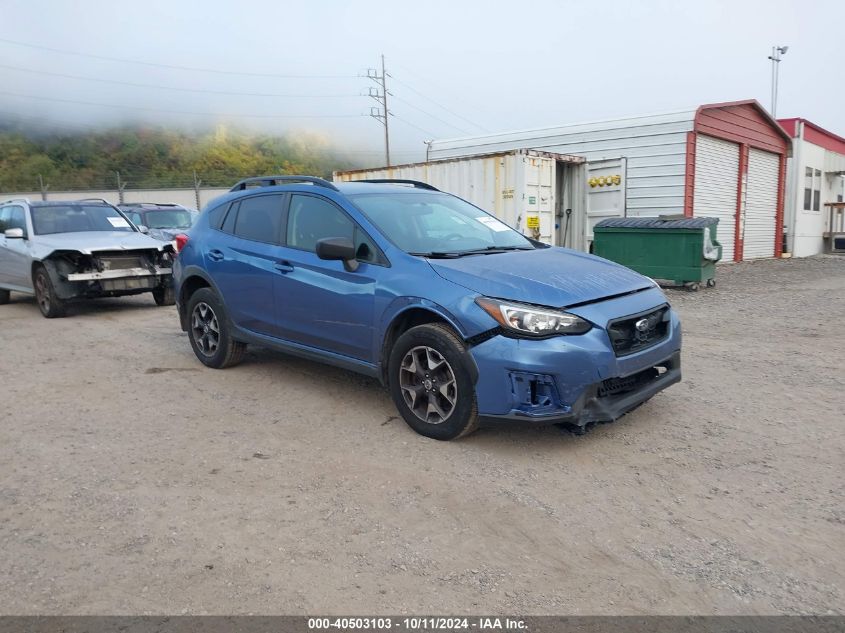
[(456, 67)]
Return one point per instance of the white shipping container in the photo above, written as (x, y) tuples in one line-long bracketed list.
[(528, 190)]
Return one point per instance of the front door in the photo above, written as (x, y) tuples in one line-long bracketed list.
[(15, 267), (320, 303)]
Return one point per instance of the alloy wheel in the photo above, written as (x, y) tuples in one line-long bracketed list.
[(205, 329), (42, 293), (428, 384)]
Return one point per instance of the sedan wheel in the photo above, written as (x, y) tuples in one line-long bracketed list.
[(45, 296)]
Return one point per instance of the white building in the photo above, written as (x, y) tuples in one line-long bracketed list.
[(725, 160), (815, 176)]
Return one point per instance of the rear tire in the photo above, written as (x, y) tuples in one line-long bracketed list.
[(430, 382), (4, 297), (45, 295), (210, 332), (164, 296)]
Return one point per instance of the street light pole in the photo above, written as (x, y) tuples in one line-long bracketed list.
[(777, 53)]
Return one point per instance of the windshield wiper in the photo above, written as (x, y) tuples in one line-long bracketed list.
[(487, 250)]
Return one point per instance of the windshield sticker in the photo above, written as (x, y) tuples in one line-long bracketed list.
[(118, 223), (493, 223)]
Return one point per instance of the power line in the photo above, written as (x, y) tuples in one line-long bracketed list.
[(439, 105), (406, 122), (408, 103), (156, 87), (211, 114), (171, 66)]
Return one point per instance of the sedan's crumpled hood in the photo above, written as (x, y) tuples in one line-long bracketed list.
[(554, 277), (87, 242)]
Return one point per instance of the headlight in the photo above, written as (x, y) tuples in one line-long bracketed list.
[(532, 321)]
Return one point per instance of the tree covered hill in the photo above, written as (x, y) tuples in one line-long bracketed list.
[(154, 158)]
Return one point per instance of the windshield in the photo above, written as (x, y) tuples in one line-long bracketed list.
[(168, 219), (75, 218), (432, 223)]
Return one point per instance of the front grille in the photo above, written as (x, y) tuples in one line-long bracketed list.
[(616, 386), (120, 260), (637, 332)]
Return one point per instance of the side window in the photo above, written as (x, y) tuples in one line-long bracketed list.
[(4, 218), (311, 219), (229, 222), (217, 215), (17, 219), (259, 219)]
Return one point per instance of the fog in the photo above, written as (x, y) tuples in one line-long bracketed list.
[(455, 68)]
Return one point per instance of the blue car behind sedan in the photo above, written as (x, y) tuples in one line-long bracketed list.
[(463, 318)]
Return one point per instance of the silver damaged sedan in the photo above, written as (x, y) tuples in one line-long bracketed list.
[(63, 251)]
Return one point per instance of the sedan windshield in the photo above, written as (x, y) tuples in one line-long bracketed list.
[(437, 224), (76, 218), (168, 219)]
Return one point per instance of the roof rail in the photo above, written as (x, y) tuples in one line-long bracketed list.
[(21, 199), (271, 181), (416, 184), (149, 204), (94, 200)]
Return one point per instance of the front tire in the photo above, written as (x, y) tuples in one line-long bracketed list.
[(430, 382), (164, 296), (210, 333), (45, 295)]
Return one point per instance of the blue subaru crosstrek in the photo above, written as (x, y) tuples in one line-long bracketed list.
[(463, 318)]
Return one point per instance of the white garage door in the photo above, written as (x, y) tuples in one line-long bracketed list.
[(761, 202), (715, 188)]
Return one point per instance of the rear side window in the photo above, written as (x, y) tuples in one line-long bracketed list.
[(260, 219), (217, 215)]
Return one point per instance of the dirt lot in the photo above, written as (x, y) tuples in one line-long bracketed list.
[(133, 481)]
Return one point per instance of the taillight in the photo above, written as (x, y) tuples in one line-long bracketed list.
[(180, 240)]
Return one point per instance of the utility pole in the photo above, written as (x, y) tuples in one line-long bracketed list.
[(381, 113), (777, 53)]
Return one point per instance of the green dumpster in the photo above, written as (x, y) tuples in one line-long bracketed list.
[(674, 249)]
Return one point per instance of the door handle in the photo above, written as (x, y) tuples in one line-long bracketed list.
[(215, 255), (284, 267)]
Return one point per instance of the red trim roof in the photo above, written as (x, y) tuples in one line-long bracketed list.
[(745, 122), (816, 134)]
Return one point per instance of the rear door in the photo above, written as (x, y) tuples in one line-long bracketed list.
[(242, 258), (606, 195), (321, 304)]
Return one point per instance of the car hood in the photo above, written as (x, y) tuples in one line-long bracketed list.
[(555, 277), (166, 235), (87, 242)]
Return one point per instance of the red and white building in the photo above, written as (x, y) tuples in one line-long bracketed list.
[(815, 176), (726, 160)]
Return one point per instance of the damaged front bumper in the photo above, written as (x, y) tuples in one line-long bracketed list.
[(118, 274)]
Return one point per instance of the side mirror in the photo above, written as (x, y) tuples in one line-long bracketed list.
[(340, 248), (143, 229), (14, 234)]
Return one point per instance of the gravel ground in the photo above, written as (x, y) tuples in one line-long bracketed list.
[(133, 481)]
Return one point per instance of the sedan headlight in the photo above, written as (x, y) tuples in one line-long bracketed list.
[(529, 320)]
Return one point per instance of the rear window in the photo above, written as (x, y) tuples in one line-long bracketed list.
[(78, 218)]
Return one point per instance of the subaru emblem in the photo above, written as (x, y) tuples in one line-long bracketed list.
[(641, 325)]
